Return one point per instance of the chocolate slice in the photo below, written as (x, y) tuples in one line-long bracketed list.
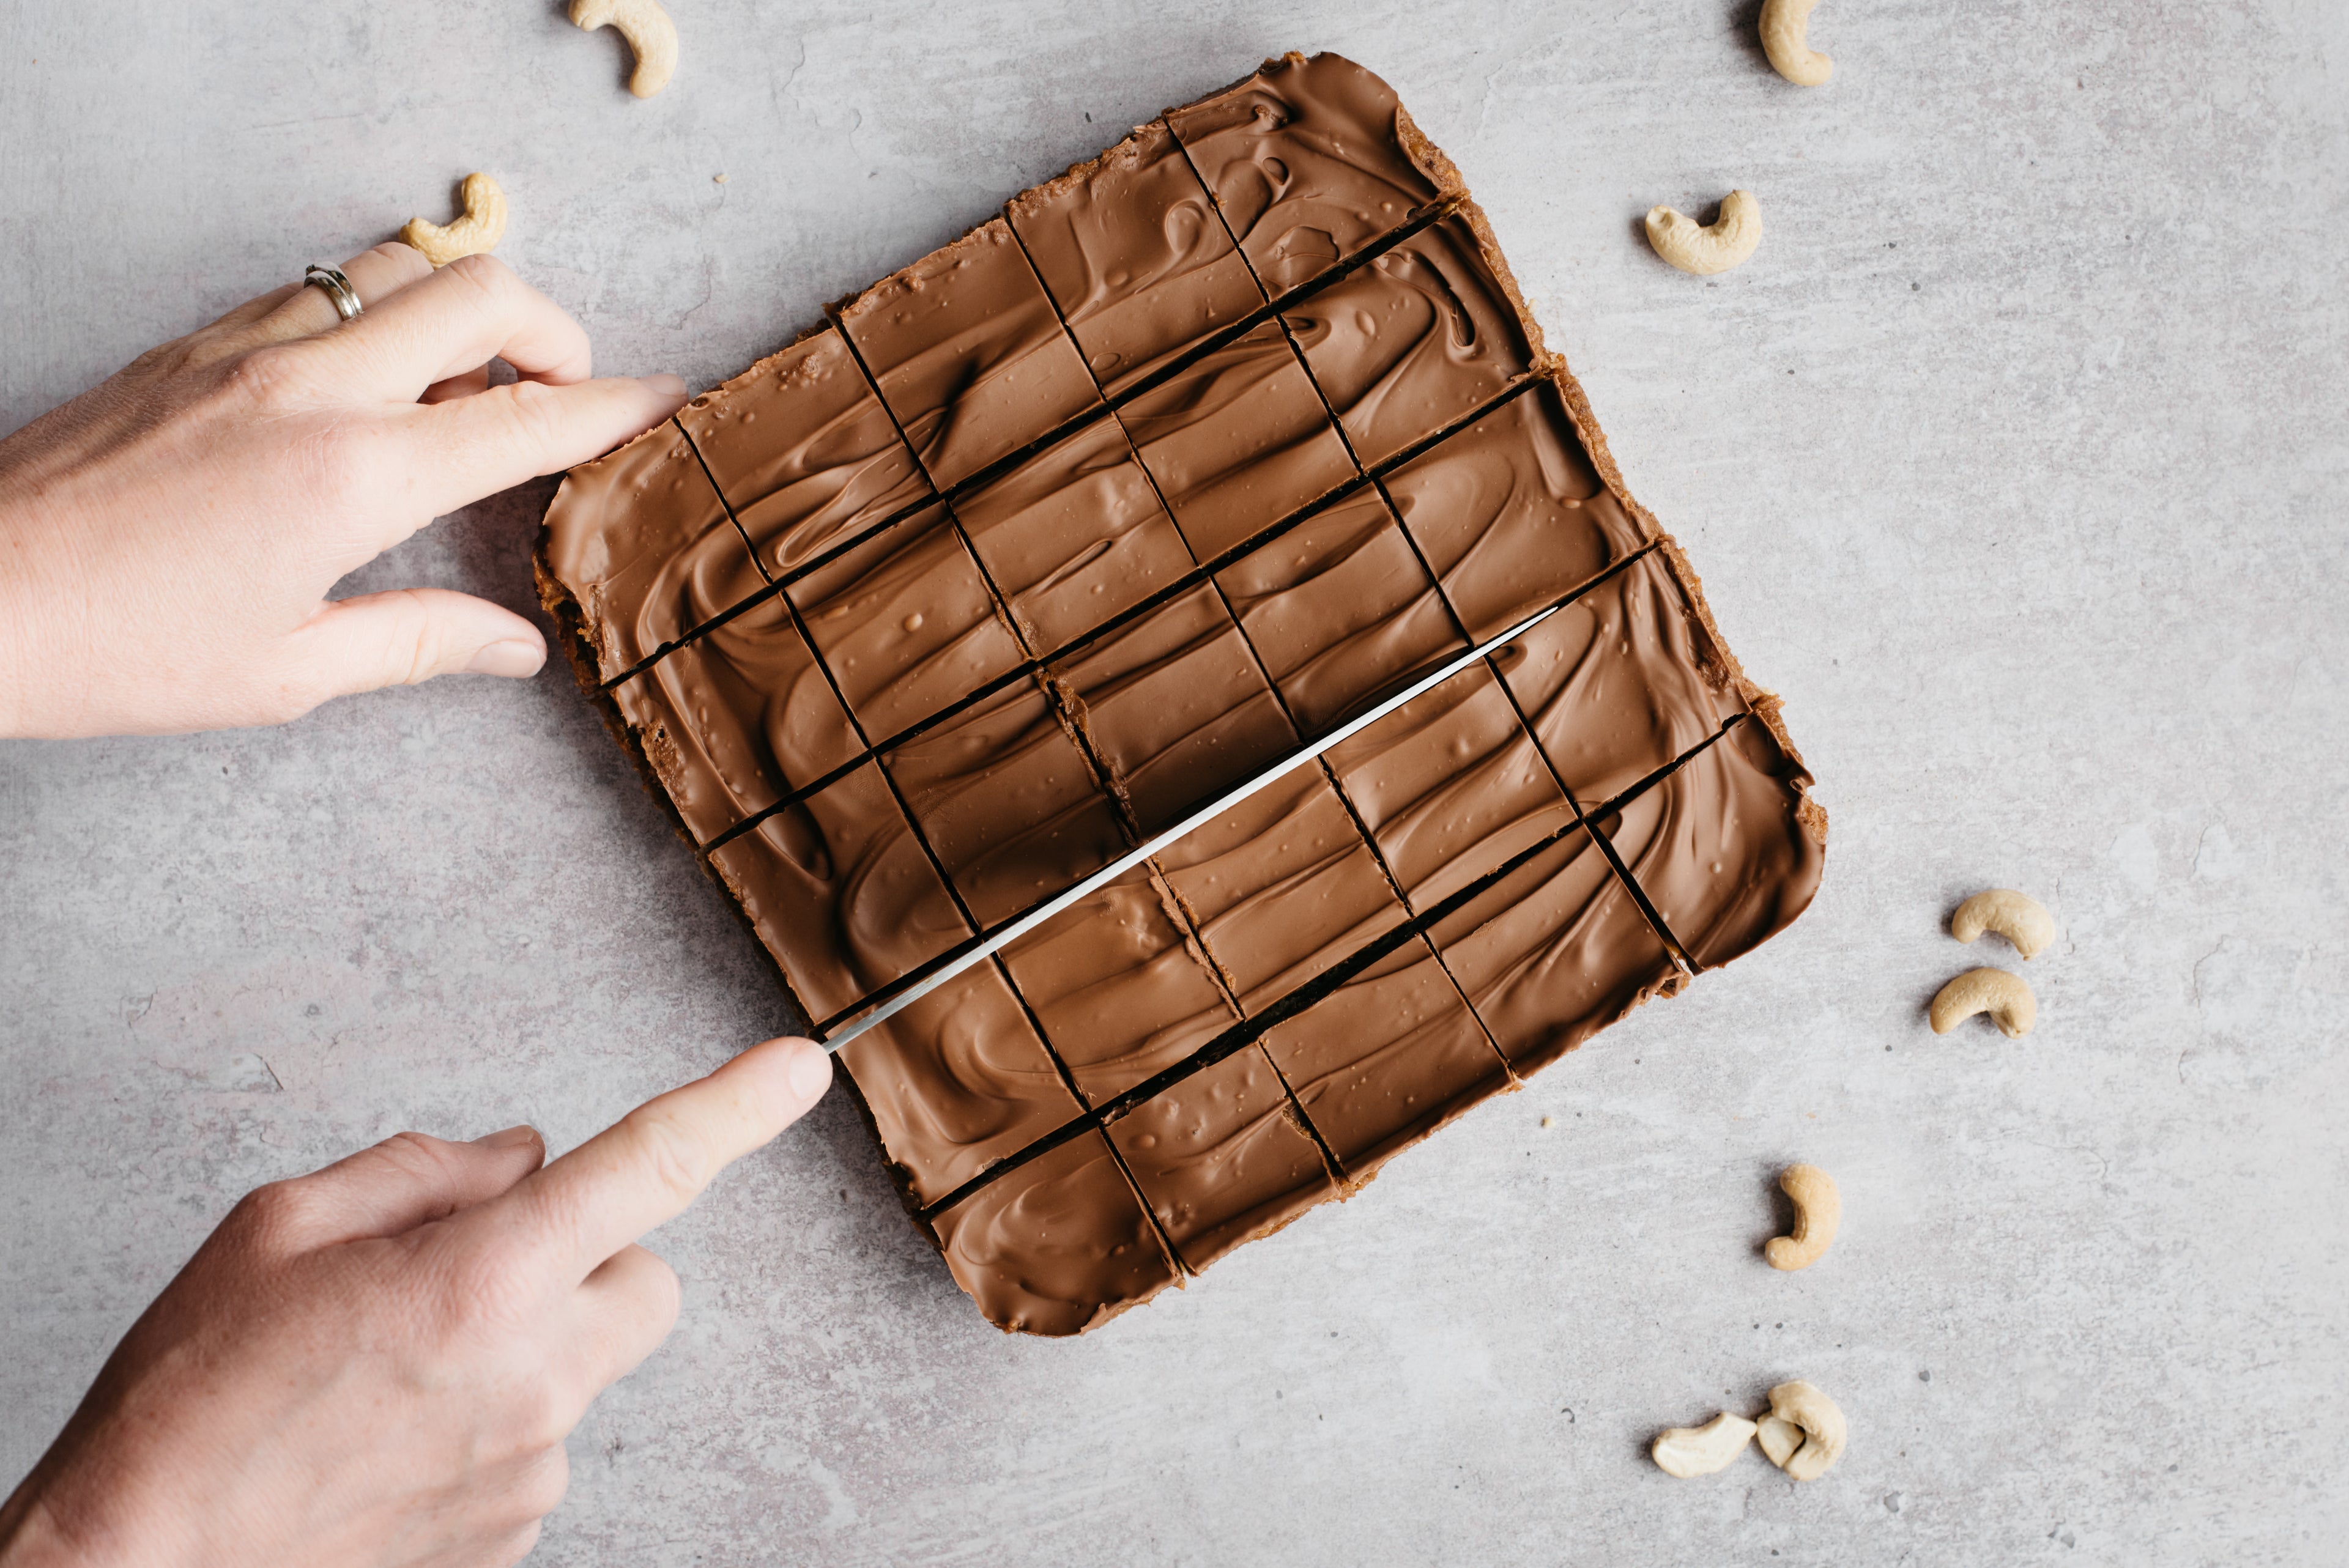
[(640, 542), (1073, 536), (1056, 1245), (968, 355), (737, 718), (957, 1082), (1421, 336), (1310, 160), (1130, 248), (1238, 440), (1510, 513), (1341, 611), (803, 452), (1221, 1158)]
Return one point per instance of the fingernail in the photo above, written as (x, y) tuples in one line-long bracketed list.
[(668, 385), (511, 1138), (512, 658), (811, 1073)]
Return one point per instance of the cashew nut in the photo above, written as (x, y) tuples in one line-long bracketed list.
[(1783, 25), (479, 230), (1822, 1425), (1779, 1440), (1686, 1451), (1818, 1210), (651, 36), (2005, 997), (2017, 916), (1704, 249)]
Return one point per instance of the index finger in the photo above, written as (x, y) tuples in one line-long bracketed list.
[(656, 1160)]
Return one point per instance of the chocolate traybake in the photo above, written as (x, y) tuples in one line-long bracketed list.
[(1046, 540)]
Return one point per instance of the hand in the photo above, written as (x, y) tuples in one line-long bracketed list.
[(167, 538), (378, 1364)]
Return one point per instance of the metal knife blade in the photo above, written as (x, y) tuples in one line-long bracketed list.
[(919, 982)]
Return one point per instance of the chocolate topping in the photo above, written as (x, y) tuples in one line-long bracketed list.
[(1238, 440), (957, 1082), (840, 891), (1175, 707), (643, 544), (1620, 681), (1130, 248), (1728, 846), (1056, 1245), (1339, 610), (1554, 952), (803, 452), (1073, 536), (1120, 990), (1450, 785), (1309, 161), (1008, 802), (1221, 1158), (1414, 340), (1386, 1058), (905, 624), (737, 718), (968, 353), (1510, 514), (1281, 887)]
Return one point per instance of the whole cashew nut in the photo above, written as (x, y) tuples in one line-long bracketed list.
[(1704, 249), (651, 36), (1818, 1211), (2005, 997), (1785, 24), (1779, 1440), (479, 230), (1821, 1424), (2017, 916), (1686, 1451)]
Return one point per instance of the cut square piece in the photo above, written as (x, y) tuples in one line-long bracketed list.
[(1073, 535), (1386, 1058), (957, 1082), (1414, 339), (1121, 991), (1238, 440), (1339, 610), (1728, 846), (1621, 682), (1450, 786), (804, 454), (1174, 708), (1280, 887), (643, 545), (1008, 802), (1510, 513), (840, 892), (737, 718), (905, 624), (968, 353), (1555, 952), (1057, 1245), (1310, 160), (1221, 1158), (1131, 249)]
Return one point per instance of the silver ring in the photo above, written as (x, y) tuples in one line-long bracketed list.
[(339, 289)]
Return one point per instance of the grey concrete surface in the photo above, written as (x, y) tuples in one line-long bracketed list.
[(2016, 458)]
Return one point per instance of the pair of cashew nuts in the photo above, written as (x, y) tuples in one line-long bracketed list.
[(1731, 238), (652, 38), (2022, 921), (1802, 1433)]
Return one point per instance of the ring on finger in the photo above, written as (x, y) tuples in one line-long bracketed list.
[(339, 289)]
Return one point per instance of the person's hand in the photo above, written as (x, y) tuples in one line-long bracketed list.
[(167, 539), (378, 1364)]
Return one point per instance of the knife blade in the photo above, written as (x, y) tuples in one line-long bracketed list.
[(922, 979)]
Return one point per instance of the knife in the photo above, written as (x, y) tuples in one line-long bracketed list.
[(919, 982)]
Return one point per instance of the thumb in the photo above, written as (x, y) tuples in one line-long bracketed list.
[(407, 1180), (410, 635)]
